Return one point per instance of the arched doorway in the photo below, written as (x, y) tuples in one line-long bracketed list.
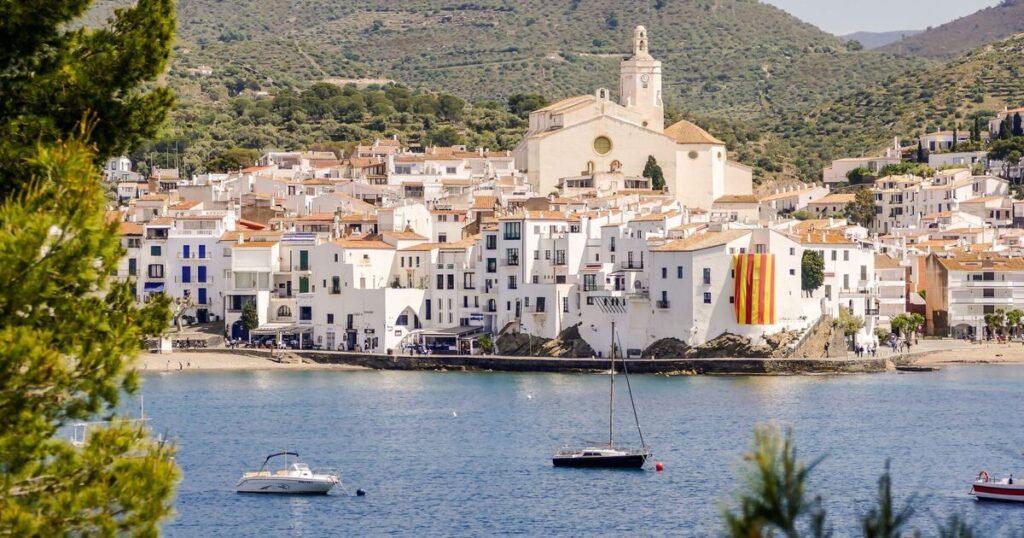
[(238, 331)]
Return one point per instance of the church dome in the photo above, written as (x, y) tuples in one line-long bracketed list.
[(684, 132)]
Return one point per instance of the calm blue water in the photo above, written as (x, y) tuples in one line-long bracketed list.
[(488, 471)]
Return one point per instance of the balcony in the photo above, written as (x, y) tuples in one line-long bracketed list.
[(870, 311), (510, 262), (857, 292), (631, 265), (193, 256), (662, 304)]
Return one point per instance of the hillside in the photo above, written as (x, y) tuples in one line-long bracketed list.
[(963, 34), (722, 56), (978, 83), (874, 40)]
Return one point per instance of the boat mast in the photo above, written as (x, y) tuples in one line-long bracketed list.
[(629, 387), (611, 396)]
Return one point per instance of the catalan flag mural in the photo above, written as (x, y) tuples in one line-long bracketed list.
[(754, 288)]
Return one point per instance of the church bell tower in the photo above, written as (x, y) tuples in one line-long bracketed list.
[(640, 82)]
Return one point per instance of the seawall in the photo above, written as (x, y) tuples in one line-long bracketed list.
[(718, 366)]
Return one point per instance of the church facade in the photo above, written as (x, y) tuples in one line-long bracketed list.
[(586, 134)]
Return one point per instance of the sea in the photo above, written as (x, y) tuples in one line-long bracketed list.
[(469, 454)]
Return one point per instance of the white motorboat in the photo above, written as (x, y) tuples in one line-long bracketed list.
[(986, 488), (295, 478)]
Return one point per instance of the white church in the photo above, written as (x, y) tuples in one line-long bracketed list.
[(591, 134)]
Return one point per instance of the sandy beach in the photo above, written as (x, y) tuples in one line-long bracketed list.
[(216, 361), (1010, 353)]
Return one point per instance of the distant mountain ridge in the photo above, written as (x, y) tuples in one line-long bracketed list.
[(963, 34), (874, 40)]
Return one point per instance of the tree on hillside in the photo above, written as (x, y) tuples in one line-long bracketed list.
[(859, 175), (444, 136), (922, 157), (812, 271), (233, 159), (449, 107), (653, 172), (976, 130), (1017, 129), (71, 98), (862, 209), (611, 21), (521, 104), (1006, 128)]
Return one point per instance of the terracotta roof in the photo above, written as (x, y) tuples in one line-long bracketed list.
[(885, 262), (316, 217), (737, 199), (405, 235), (535, 215), (484, 202), (824, 237), (186, 204), (250, 225), (835, 199), (421, 247), (252, 169), (702, 241), (684, 132), (363, 243), (976, 261), (654, 217), (129, 228), (256, 244)]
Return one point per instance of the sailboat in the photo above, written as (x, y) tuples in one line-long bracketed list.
[(608, 456)]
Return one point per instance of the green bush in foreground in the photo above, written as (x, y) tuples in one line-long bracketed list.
[(774, 499)]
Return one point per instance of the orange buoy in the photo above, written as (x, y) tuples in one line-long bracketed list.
[(659, 467)]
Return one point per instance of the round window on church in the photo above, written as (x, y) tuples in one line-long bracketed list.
[(602, 145), (693, 154)]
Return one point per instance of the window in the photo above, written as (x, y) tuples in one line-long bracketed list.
[(467, 281), (833, 255), (602, 145), (565, 304), (284, 312), (559, 257), (335, 285), (426, 310), (707, 275), (403, 320), (679, 272), (512, 282), (664, 272), (451, 282), (611, 244), (201, 273), (512, 256), (792, 251), (535, 279), (303, 285), (305, 313), (303, 260), (155, 270), (440, 282), (536, 254), (442, 238), (132, 267), (465, 301), (202, 252), (492, 242), (154, 250), (988, 309), (792, 272), (547, 254), (988, 292), (401, 261), (707, 297), (330, 319), (450, 170), (513, 230), (846, 281), (846, 255), (589, 282), (732, 299), (540, 304)]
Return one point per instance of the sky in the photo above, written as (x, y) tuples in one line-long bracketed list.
[(846, 16)]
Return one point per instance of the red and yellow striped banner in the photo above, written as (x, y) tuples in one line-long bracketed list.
[(754, 288)]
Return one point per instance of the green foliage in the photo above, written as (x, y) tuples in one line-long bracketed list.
[(848, 322), (862, 209), (906, 324), (70, 332), (250, 318), (233, 159), (653, 172), (961, 35), (884, 520), (859, 175), (905, 168), (996, 321), (802, 214), (521, 104), (53, 76), (812, 270), (773, 498), (486, 343)]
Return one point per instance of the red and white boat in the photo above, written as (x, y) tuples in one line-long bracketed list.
[(986, 488)]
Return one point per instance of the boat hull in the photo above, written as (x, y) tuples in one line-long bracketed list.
[(626, 461), (993, 491), (282, 485)]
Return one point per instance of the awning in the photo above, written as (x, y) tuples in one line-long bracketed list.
[(153, 287), (279, 328), (459, 331)]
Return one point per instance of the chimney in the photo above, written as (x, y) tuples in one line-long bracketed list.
[(240, 238)]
